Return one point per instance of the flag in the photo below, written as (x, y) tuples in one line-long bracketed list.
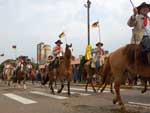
[(2, 55), (95, 24), (88, 53), (14, 47), (62, 35)]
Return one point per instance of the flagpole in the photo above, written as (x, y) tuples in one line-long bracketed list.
[(99, 32), (88, 19), (65, 40)]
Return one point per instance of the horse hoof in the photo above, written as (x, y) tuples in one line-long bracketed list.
[(59, 91), (114, 101), (123, 108), (112, 92), (143, 91)]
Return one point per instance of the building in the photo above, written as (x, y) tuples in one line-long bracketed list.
[(43, 51)]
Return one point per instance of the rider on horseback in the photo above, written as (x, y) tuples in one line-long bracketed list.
[(28, 68), (98, 55), (19, 64), (141, 31), (57, 52)]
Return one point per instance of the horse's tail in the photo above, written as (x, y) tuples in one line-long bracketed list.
[(106, 70)]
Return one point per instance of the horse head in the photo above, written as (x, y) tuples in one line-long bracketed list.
[(68, 51)]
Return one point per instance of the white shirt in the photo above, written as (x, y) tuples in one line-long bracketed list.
[(147, 28)]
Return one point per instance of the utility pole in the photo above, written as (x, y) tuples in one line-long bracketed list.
[(88, 19)]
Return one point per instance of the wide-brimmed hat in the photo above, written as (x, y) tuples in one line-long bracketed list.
[(142, 5), (58, 41), (99, 43), (50, 56)]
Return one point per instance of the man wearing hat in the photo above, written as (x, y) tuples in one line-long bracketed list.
[(98, 54), (57, 51), (140, 23), (141, 31)]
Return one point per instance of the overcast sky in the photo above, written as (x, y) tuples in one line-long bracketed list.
[(26, 23)]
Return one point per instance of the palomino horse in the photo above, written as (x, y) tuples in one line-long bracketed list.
[(126, 58), (8, 73), (20, 75)]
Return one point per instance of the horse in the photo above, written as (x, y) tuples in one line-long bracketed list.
[(20, 75), (105, 71), (126, 58), (89, 72), (8, 73), (64, 69), (31, 75)]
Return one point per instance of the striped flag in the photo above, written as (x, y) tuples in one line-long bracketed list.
[(14, 47), (95, 24), (2, 55), (62, 35)]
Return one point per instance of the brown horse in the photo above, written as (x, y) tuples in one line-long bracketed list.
[(106, 75), (20, 75), (32, 75), (126, 58), (89, 72), (64, 69)]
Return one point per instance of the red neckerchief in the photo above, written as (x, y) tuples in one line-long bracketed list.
[(146, 21)]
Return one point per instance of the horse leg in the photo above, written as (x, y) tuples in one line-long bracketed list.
[(51, 86), (99, 87), (145, 86), (93, 86), (111, 88), (118, 97), (68, 88), (62, 86), (103, 87), (86, 86), (24, 83)]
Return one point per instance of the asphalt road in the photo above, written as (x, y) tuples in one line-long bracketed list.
[(39, 100)]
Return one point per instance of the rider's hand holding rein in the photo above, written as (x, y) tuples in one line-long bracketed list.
[(135, 11)]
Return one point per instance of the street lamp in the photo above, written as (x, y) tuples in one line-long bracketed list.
[(88, 19)]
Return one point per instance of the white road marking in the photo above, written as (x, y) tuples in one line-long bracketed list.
[(90, 90), (140, 104), (48, 95), (82, 94), (19, 98)]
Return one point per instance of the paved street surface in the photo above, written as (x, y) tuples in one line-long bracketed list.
[(39, 100)]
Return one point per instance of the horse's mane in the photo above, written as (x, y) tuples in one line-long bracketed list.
[(67, 56), (133, 53), (129, 51)]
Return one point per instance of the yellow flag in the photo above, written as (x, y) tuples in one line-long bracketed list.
[(88, 54)]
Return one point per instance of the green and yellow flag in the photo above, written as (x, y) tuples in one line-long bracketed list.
[(95, 24), (88, 53), (62, 35)]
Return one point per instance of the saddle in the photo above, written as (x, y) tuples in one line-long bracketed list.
[(55, 63)]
